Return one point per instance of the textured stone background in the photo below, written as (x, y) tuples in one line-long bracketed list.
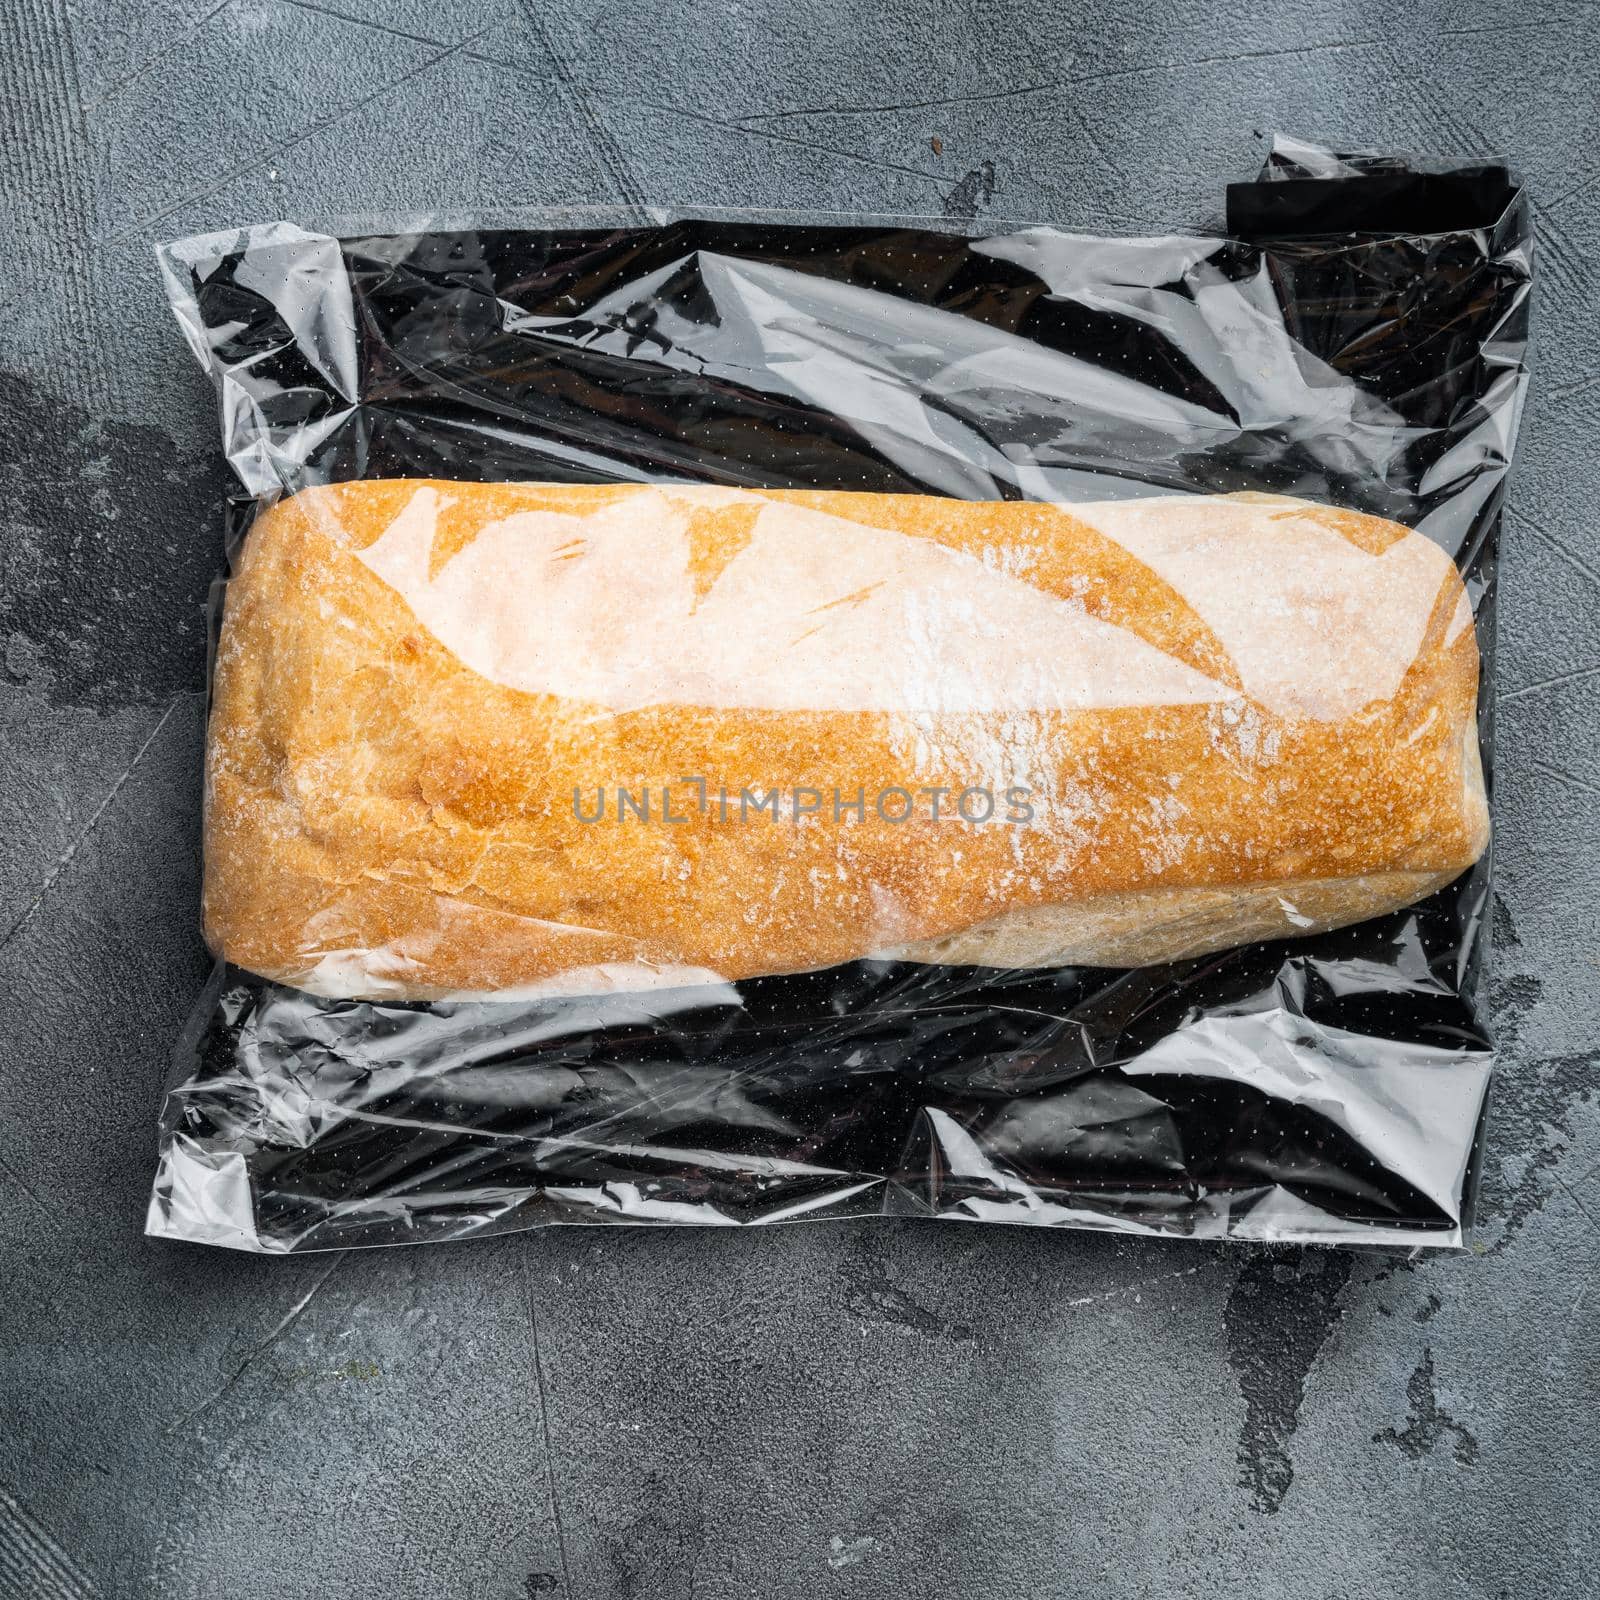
[(887, 1411)]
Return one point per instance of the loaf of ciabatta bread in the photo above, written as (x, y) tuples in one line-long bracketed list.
[(528, 738)]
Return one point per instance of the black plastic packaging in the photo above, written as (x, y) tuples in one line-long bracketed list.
[(1329, 1088)]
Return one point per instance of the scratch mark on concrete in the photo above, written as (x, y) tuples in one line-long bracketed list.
[(1049, 85), (544, 1422), (261, 157), (790, 139), (1588, 1175), (1559, 546), (412, 38), (366, 22), (1429, 1423), (65, 858), (1552, 770), (281, 1327), (1578, 386), (1015, 93), (610, 152), (1558, 268), (146, 67), (1572, 1195), (1113, 73), (1550, 683), (27, 1188), (1095, 145), (1581, 187)]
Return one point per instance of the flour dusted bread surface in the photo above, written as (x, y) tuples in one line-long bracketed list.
[(1231, 717)]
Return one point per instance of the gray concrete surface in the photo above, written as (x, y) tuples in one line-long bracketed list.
[(891, 1411)]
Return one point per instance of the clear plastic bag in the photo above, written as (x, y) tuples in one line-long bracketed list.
[(613, 603)]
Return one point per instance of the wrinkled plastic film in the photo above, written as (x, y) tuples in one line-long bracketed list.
[(989, 455)]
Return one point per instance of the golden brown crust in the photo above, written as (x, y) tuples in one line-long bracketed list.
[(383, 818)]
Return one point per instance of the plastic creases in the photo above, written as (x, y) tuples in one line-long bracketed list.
[(613, 602)]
